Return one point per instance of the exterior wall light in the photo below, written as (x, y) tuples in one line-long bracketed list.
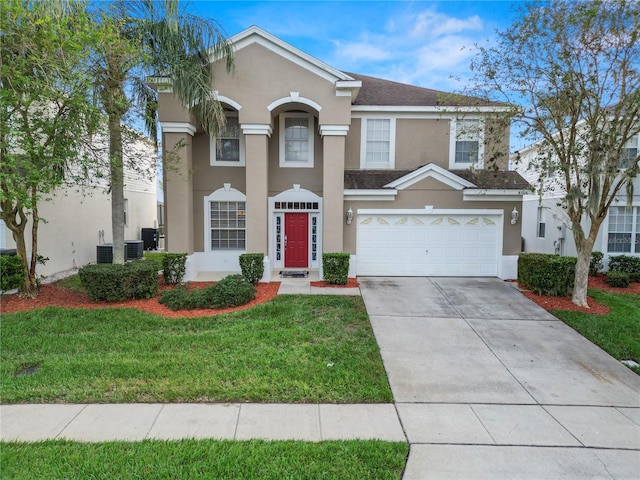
[(349, 216), (514, 216)]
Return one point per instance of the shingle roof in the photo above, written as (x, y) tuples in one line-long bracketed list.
[(376, 91), (484, 179), (494, 179)]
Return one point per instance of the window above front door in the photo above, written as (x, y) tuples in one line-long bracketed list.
[(296, 140)]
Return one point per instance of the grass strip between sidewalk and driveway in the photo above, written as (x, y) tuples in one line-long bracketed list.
[(618, 332), (188, 459), (293, 349)]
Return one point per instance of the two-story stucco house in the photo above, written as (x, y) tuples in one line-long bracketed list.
[(408, 180)]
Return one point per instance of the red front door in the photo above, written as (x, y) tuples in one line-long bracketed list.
[(296, 232)]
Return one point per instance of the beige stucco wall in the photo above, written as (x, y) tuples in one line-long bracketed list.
[(352, 145), (277, 79), (433, 193), (422, 141), (178, 188), (496, 144)]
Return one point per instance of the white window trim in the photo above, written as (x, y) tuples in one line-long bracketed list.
[(311, 134), (225, 194), (635, 229), (452, 145), (541, 215), (221, 163), (633, 142), (363, 144)]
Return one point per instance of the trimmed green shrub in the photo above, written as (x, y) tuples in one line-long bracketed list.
[(173, 267), (141, 279), (176, 299), (618, 279), (252, 266), (595, 265), (335, 268), (12, 274), (546, 274), (626, 264), (110, 282), (183, 299), (232, 291), (104, 281)]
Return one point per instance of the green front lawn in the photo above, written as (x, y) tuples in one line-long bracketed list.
[(190, 459), (292, 349), (618, 332)]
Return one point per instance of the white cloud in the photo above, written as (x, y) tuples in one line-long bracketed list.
[(432, 24), (361, 51), (424, 48)]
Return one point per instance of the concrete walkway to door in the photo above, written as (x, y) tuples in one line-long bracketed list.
[(489, 385)]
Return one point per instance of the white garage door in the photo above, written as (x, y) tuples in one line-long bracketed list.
[(428, 244)]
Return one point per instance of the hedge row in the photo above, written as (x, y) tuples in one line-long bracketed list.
[(626, 264), (546, 274), (111, 282)]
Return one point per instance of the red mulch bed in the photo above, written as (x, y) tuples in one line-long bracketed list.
[(51, 295), (564, 303), (351, 283)]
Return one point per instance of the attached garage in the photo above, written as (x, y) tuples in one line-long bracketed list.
[(431, 243)]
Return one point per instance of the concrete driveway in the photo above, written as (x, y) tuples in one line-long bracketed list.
[(489, 385)]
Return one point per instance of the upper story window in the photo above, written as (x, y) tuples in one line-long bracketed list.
[(227, 149), (378, 143), (624, 230), (468, 144), (629, 152), (296, 140)]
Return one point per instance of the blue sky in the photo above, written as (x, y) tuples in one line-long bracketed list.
[(424, 43)]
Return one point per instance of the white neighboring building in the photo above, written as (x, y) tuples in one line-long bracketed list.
[(546, 227), (77, 219)]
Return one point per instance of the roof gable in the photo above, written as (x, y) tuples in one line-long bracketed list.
[(430, 170), (256, 35)]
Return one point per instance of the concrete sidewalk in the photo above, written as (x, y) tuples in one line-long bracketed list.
[(229, 421)]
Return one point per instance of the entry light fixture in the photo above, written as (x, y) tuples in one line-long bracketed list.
[(349, 216), (514, 216)]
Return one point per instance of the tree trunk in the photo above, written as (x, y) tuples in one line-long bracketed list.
[(35, 221), (117, 187), (584, 247), (581, 281)]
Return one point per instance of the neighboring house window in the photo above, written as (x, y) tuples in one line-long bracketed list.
[(227, 149), (126, 211), (296, 140), (629, 153), (228, 225), (541, 223), (468, 143), (378, 143), (624, 230)]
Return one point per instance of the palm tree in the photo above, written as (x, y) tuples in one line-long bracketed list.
[(145, 39)]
